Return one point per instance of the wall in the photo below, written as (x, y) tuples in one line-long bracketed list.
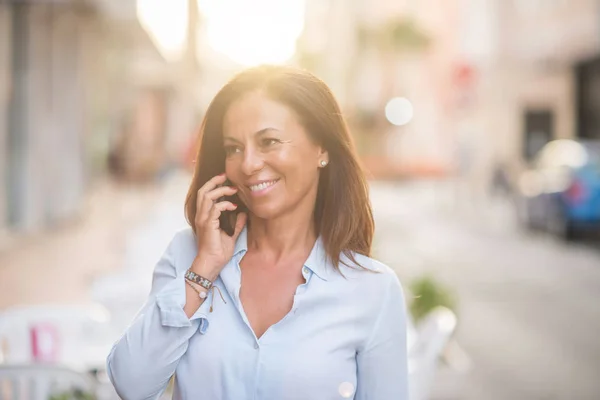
[(46, 113), (5, 49)]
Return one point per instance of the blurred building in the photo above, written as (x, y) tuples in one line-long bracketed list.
[(370, 52), (490, 81), (44, 109), (81, 84), (536, 77)]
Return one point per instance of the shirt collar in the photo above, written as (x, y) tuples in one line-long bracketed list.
[(241, 244), (317, 260)]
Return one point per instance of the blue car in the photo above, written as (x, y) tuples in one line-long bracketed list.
[(561, 192)]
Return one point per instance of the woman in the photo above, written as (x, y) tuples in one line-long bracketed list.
[(289, 306)]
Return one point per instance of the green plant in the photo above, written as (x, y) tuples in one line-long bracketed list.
[(73, 394), (397, 35), (403, 35), (427, 294)]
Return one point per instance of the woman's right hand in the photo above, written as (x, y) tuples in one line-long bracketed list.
[(215, 247)]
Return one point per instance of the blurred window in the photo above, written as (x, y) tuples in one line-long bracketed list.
[(539, 130), (588, 94)]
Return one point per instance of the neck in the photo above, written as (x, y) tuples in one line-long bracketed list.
[(281, 237)]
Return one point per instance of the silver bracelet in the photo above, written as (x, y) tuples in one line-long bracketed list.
[(201, 293)]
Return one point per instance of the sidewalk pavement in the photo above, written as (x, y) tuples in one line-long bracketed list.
[(59, 266)]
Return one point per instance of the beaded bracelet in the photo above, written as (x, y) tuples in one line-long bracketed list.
[(200, 280)]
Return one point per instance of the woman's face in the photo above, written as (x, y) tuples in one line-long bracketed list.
[(270, 157)]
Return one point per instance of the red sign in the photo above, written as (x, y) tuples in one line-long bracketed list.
[(44, 343)]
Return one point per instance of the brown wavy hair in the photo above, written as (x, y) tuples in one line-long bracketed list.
[(343, 215)]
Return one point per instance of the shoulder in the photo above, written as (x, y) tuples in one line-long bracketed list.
[(182, 239), (371, 274), (373, 290)]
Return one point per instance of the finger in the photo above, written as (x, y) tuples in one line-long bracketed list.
[(212, 222), (224, 206), (203, 204), (215, 194), (240, 221), (204, 210), (211, 184), (218, 208)]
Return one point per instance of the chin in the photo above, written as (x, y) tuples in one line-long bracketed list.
[(265, 211)]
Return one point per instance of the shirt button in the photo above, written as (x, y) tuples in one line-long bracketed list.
[(256, 346), (305, 270)]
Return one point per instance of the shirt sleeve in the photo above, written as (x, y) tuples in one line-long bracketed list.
[(382, 364), (144, 359)]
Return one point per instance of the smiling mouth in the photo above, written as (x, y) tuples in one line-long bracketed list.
[(262, 185)]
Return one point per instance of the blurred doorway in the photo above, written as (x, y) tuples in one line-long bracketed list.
[(539, 130), (588, 99), (138, 152)]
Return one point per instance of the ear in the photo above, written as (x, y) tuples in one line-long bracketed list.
[(323, 154), (323, 159)]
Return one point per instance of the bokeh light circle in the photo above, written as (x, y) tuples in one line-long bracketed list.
[(346, 390), (399, 111)]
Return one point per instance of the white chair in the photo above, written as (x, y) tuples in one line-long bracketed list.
[(431, 336), (80, 335), (41, 382)]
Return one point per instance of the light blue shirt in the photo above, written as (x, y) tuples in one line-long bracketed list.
[(344, 338)]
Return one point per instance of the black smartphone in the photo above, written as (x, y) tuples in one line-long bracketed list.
[(228, 218)]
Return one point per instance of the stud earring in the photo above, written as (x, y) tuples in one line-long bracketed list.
[(323, 163)]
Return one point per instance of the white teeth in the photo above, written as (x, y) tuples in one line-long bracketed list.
[(261, 186)]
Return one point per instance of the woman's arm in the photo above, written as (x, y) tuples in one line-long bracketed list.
[(144, 359), (382, 362)]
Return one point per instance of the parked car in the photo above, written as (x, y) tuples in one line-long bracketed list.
[(560, 193)]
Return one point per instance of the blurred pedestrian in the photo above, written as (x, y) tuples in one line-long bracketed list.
[(271, 294), (500, 184), (117, 156)]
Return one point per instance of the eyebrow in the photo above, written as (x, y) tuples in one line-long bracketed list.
[(257, 133)]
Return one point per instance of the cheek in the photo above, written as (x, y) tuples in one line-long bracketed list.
[(232, 171), (232, 166), (301, 176), (296, 159)]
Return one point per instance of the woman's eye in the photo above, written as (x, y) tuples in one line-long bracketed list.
[(230, 150), (269, 142)]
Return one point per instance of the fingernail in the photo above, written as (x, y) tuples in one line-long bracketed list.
[(223, 174), (235, 205)]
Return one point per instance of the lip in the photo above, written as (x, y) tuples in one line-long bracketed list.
[(262, 191)]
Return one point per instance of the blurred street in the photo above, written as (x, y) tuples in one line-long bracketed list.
[(528, 315), (528, 319), (74, 254)]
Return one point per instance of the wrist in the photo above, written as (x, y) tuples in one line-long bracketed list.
[(206, 268), (201, 291)]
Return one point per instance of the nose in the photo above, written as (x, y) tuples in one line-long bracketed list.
[(253, 161)]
